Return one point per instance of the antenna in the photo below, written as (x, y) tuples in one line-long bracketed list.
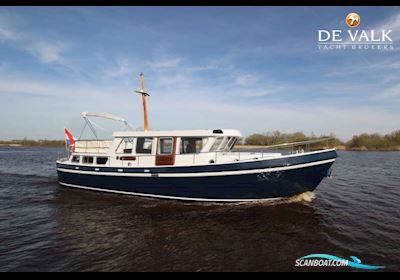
[(144, 100)]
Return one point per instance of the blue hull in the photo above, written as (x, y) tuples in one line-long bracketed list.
[(286, 177)]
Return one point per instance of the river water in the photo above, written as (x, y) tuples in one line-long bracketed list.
[(46, 227)]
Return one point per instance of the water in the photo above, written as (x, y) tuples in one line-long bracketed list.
[(45, 227)]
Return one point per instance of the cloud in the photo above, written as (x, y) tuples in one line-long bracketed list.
[(254, 86), (391, 23), (207, 67), (223, 85), (165, 63), (9, 86), (222, 64), (187, 111), (344, 121), (7, 29), (393, 91), (8, 34), (48, 88), (123, 67), (387, 64), (258, 92), (45, 50), (246, 80)]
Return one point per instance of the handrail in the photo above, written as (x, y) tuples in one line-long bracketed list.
[(267, 147), (214, 155), (292, 143), (89, 140), (91, 146)]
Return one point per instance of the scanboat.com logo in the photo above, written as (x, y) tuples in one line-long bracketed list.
[(330, 260)]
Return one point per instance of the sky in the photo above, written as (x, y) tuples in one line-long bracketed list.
[(256, 69)]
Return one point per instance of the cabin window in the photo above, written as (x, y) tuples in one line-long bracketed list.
[(101, 160), (233, 142), (190, 145), (166, 146), (228, 143), (216, 144), (75, 159), (224, 144), (144, 145), (126, 145), (88, 160), (228, 146)]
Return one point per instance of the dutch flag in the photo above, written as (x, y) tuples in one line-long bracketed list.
[(69, 139)]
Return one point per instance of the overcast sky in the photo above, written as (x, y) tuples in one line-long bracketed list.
[(254, 69)]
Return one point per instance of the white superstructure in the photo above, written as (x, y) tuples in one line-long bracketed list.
[(154, 148)]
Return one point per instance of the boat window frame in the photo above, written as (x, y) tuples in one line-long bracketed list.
[(227, 140), (204, 141), (233, 142), (88, 162), (152, 145), (101, 157), (230, 143), (121, 143), (215, 142), (159, 145), (75, 156)]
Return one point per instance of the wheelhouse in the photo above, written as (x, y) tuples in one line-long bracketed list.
[(156, 148)]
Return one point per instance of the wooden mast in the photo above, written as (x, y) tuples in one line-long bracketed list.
[(144, 100)]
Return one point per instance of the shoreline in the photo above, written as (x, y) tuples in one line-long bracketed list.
[(22, 146), (239, 147), (338, 148), (10, 145), (32, 143)]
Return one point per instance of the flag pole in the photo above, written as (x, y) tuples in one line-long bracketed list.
[(66, 148)]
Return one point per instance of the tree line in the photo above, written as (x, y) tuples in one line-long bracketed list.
[(360, 142), (35, 143), (375, 141), (364, 141)]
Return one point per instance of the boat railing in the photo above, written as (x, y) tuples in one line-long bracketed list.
[(245, 153), (62, 157), (92, 146), (306, 146), (257, 152)]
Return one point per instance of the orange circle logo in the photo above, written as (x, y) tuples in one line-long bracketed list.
[(353, 20)]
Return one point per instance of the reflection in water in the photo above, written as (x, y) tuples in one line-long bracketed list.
[(167, 235)]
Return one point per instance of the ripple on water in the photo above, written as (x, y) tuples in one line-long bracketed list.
[(47, 227)]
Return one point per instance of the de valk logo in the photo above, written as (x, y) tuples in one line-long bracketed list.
[(355, 38)]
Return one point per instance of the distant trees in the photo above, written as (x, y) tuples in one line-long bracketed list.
[(35, 143), (375, 141), (277, 137), (360, 142)]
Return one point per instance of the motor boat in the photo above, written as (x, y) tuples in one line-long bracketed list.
[(195, 165)]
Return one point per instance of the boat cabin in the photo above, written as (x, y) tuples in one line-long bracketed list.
[(157, 148)]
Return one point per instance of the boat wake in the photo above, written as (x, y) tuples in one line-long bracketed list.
[(303, 198)]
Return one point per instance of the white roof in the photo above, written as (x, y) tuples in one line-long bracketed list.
[(85, 115), (178, 133), (103, 115)]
